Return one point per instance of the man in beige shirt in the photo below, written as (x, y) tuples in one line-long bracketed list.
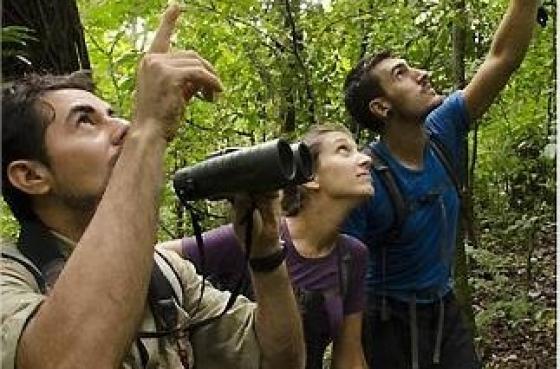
[(85, 189)]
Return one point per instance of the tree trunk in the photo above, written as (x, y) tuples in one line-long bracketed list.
[(60, 47), (463, 290)]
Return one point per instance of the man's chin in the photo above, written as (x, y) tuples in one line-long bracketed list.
[(436, 101)]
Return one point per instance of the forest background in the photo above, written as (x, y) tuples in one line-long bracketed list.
[(283, 63)]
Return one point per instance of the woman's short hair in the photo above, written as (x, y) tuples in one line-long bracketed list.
[(295, 196)]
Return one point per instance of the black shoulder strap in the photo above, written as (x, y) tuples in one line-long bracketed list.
[(395, 195), (39, 250), (445, 159), (39, 246)]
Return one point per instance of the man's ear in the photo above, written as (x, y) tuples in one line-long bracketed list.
[(380, 107), (29, 176)]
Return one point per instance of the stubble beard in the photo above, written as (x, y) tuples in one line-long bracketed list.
[(87, 203)]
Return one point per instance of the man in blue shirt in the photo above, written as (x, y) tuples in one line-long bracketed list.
[(413, 318)]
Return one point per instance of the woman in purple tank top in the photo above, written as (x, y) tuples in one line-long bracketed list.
[(327, 269)]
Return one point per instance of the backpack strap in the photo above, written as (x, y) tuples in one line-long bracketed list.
[(164, 293), (381, 167), (345, 268), (444, 157), (39, 248), (18, 258), (165, 296), (37, 244)]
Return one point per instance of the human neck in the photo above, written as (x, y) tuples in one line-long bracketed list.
[(315, 228), (70, 223), (406, 141)]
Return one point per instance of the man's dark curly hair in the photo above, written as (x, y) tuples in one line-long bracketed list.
[(360, 87), (25, 118)]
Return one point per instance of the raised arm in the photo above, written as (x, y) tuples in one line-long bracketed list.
[(507, 51), (278, 324), (91, 315)]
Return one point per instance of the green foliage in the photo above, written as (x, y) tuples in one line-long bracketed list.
[(14, 41), (283, 69), (8, 225)]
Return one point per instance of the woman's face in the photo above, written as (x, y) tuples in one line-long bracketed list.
[(342, 170)]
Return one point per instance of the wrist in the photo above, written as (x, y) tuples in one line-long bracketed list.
[(148, 130), (268, 262)]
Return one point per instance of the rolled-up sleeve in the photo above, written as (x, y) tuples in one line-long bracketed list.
[(228, 342), (20, 300)]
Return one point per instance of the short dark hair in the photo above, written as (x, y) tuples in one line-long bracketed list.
[(360, 87), (294, 197), (24, 123)]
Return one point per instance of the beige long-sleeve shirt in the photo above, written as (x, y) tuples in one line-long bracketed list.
[(229, 342)]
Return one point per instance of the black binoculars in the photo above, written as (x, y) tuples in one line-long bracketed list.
[(264, 167)]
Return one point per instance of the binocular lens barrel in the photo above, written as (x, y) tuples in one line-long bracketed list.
[(265, 167), (304, 163)]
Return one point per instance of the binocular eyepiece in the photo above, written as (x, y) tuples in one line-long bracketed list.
[(264, 167)]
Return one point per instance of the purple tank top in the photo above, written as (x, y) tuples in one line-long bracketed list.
[(224, 263)]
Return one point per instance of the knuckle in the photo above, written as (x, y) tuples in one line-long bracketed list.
[(199, 72), (192, 54), (149, 61)]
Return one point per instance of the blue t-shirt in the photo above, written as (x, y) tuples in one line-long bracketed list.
[(419, 260)]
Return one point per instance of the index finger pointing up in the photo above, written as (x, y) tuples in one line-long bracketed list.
[(162, 39)]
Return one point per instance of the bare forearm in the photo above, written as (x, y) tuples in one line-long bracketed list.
[(515, 31), (347, 347), (100, 295), (278, 323), (506, 53), (339, 362)]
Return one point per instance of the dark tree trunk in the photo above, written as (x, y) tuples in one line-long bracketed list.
[(60, 46), (463, 290)]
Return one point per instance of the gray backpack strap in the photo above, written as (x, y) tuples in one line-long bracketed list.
[(165, 296), (345, 269), (18, 258)]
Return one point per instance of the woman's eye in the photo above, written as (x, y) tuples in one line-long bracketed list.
[(343, 149)]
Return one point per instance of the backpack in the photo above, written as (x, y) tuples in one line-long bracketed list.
[(164, 292), (400, 207)]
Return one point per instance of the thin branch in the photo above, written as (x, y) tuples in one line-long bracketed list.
[(191, 123), (295, 47)]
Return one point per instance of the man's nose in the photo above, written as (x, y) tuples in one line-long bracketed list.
[(365, 161), (119, 128), (422, 75)]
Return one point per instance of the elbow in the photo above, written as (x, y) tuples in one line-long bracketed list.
[(507, 61), (512, 63), (68, 362), (290, 356), (33, 354)]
